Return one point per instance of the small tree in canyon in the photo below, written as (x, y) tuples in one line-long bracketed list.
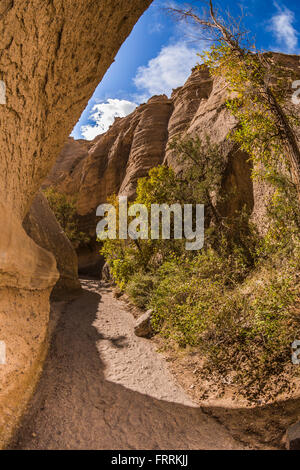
[(261, 89), (64, 209)]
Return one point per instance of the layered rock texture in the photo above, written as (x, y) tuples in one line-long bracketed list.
[(53, 55), (200, 110), (41, 225), (112, 163)]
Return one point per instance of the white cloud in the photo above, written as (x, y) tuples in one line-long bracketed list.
[(169, 70), (281, 25), (104, 114), (156, 28)]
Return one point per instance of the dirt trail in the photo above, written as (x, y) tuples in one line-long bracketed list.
[(104, 388)]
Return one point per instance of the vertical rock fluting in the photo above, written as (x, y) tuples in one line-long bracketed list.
[(149, 142), (73, 152), (134, 144), (212, 119), (112, 165), (114, 161), (186, 101), (53, 53)]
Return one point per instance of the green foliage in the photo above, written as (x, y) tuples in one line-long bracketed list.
[(258, 86), (125, 257), (159, 186), (64, 209), (122, 259), (243, 330), (254, 333), (228, 302), (282, 237), (200, 178), (140, 288), (202, 164)]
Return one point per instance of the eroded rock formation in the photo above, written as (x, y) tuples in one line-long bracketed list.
[(73, 152), (113, 162), (52, 56), (41, 225), (200, 110)]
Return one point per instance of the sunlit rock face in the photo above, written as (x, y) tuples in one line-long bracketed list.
[(186, 101), (73, 152), (200, 110), (53, 55), (113, 162)]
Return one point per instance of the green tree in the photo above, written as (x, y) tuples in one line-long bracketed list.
[(260, 83), (64, 209), (198, 182)]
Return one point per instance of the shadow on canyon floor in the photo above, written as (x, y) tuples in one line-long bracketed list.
[(75, 407)]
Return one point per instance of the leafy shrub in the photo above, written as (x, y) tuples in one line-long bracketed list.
[(235, 301), (64, 209), (140, 288), (244, 331)]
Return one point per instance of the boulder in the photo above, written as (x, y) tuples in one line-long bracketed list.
[(143, 326)]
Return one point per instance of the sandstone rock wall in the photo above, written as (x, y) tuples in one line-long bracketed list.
[(209, 117), (53, 54), (113, 162), (149, 143), (186, 101), (73, 152), (41, 225)]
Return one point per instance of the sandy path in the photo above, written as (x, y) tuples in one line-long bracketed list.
[(103, 388)]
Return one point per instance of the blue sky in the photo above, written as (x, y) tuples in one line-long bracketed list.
[(160, 52)]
